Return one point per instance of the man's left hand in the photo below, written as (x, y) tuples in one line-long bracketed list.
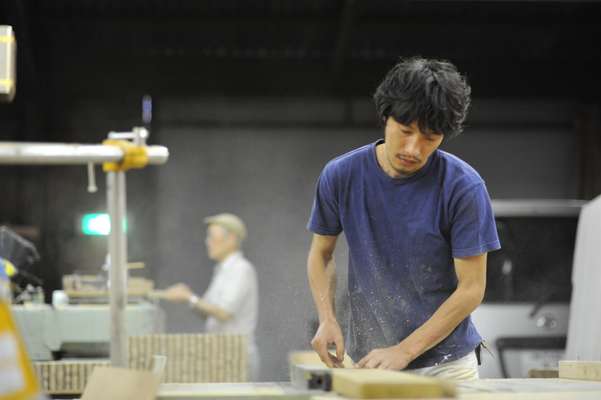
[(394, 358)]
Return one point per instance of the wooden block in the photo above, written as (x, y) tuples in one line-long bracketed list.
[(543, 373), (311, 358), (121, 384), (585, 370), (379, 384)]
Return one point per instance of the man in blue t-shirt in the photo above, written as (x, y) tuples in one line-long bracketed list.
[(418, 223)]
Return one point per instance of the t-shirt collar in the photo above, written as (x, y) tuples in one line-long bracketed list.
[(229, 259), (402, 180)]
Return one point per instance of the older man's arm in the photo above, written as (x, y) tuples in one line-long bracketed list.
[(181, 293)]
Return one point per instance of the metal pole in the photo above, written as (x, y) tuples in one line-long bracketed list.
[(116, 201), (70, 154)]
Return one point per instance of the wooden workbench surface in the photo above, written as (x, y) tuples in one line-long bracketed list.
[(484, 389), (230, 391), (519, 389)]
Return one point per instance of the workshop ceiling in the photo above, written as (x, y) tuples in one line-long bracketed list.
[(341, 47)]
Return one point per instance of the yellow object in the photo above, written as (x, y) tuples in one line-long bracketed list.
[(7, 82), (7, 39), (378, 384), (9, 268), (133, 156), (17, 379)]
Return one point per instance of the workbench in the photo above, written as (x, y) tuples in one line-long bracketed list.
[(484, 389), (79, 329)]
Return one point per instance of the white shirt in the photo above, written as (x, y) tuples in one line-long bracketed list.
[(234, 288)]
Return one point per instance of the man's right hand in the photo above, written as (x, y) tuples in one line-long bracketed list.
[(179, 293), (328, 333)]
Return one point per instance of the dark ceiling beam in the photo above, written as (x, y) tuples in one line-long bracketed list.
[(370, 42), (118, 9), (197, 76)]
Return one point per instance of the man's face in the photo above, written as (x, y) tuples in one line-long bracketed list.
[(220, 243), (407, 147)]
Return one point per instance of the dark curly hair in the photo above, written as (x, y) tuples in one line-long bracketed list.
[(431, 92)]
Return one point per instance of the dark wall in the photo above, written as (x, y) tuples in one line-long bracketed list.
[(261, 161), (259, 158)]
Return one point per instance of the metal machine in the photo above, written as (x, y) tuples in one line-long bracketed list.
[(524, 317), (80, 330)]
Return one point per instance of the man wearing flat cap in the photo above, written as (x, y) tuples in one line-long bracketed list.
[(230, 303)]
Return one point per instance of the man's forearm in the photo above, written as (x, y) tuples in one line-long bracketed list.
[(450, 314), (323, 284), (209, 309)]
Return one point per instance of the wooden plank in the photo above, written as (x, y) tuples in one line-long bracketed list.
[(379, 384), (585, 370)]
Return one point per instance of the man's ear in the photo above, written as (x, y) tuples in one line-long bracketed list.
[(235, 240)]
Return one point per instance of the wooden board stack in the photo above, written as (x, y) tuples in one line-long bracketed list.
[(65, 377), (88, 287), (193, 358)]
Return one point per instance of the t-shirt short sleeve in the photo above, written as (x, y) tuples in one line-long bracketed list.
[(473, 227), (232, 296), (325, 214)]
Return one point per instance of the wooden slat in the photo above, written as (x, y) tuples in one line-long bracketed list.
[(193, 358), (65, 377)]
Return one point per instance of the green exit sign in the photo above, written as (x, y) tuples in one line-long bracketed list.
[(97, 224)]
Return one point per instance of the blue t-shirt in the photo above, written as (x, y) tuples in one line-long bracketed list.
[(402, 236)]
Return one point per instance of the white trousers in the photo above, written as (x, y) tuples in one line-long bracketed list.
[(462, 369), (254, 363)]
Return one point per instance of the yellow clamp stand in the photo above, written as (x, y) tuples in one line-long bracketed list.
[(134, 156)]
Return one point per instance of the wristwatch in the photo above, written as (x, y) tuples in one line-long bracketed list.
[(193, 301)]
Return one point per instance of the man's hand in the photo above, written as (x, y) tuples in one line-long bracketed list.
[(329, 332), (394, 357), (179, 293)]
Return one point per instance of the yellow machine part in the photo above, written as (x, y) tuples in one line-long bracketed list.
[(9, 268), (134, 156), (14, 362)]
